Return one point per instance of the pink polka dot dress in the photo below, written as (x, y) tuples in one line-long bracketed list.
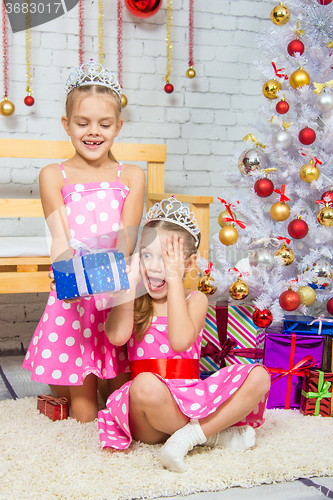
[(70, 342), (195, 398)]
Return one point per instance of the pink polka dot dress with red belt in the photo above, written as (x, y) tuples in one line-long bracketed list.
[(69, 342), (195, 398)]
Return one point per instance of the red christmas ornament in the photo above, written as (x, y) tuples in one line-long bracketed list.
[(262, 318), (143, 8), (29, 100), (307, 136), (168, 88), (289, 300), (264, 187), (282, 107), (295, 46), (329, 306), (324, 2), (328, 195), (298, 229)]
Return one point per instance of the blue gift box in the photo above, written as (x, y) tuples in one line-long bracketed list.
[(90, 274), (301, 324)]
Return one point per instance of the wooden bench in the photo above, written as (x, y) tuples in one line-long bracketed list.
[(30, 274)]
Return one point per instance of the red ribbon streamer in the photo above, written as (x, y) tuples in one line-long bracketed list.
[(283, 238), (237, 271), (207, 271), (277, 74), (298, 369), (190, 33), (166, 368), (317, 161), (81, 32), (5, 48), (283, 197), (119, 42)]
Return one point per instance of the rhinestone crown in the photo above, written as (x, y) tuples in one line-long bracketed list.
[(172, 210), (92, 73)]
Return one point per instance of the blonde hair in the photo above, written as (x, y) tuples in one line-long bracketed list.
[(91, 90), (143, 306)]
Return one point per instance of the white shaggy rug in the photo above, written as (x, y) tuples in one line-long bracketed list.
[(63, 460)]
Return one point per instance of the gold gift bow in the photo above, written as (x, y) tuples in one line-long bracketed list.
[(318, 87), (251, 137)]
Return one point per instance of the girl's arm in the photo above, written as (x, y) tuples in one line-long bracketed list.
[(134, 177), (185, 317), (51, 183)]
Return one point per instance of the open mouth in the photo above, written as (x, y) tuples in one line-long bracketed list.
[(156, 284), (92, 144)]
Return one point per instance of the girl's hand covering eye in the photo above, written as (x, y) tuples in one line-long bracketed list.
[(173, 256)]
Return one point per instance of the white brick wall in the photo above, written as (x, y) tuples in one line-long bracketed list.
[(202, 122)]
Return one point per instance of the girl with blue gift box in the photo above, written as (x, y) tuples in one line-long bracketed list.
[(166, 400), (87, 199)]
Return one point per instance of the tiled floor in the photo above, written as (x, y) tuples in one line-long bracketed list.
[(15, 382)]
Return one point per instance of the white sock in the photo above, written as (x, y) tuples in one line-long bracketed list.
[(239, 438), (179, 444)]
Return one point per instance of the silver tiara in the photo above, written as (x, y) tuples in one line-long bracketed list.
[(92, 73), (172, 210)]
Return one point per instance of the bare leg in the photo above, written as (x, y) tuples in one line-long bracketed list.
[(117, 382), (154, 414), (84, 406), (60, 391)]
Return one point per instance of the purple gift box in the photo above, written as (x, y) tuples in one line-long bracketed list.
[(287, 356)]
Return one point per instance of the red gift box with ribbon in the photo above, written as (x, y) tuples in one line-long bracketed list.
[(316, 397), (54, 408)]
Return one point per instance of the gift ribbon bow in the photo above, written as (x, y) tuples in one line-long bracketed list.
[(229, 349), (237, 271), (251, 137), (318, 87), (281, 75), (283, 197), (314, 159), (232, 218), (208, 270), (287, 240), (320, 319), (323, 388)]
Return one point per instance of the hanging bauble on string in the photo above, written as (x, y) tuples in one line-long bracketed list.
[(263, 258), (323, 272), (325, 216), (280, 15), (262, 318), (29, 100), (223, 215), (284, 255), (307, 295), (270, 88), (7, 108), (307, 136), (238, 290), (282, 107), (252, 159), (123, 99), (327, 196), (264, 187), (289, 300), (324, 102), (143, 8), (299, 78), (295, 46), (228, 235), (206, 283), (329, 306), (280, 211), (298, 228), (190, 73), (282, 138), (309, 172), (168, 87)]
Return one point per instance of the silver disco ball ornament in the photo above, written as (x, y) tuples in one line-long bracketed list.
[(263, 258), (323, 271), (324, 102), (282, 138), (252, 159)]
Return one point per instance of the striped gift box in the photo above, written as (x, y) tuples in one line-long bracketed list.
[(210, 334)]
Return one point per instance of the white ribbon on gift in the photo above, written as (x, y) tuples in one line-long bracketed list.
[(321, 319)]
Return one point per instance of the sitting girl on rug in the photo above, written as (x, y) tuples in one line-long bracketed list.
[(166, 400)]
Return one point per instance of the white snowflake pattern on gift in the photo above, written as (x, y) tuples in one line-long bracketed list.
[(69, 341), (195, 398)]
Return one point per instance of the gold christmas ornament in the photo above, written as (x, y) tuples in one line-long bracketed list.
[(239, 290), (280, 211), (7, 108), (325, 216), (228, 235), (270, 88), (307, 295), (299, 78), (206, 286), (285, 255), (223, 214), (190, 73), (280, 15), (123, 101), (309, 172)]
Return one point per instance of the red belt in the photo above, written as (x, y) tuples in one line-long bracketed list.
[(166, 368)]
